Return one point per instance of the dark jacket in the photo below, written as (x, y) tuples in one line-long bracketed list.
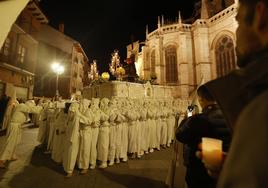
[(245, 105), (237, 89), (211, 124)]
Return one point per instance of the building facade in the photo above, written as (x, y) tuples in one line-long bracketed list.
[(18, 55), (187, 52), (55, 46)]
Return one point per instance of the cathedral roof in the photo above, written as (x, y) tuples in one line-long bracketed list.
[(212, 7)]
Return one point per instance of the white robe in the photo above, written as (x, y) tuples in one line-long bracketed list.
[(144, 131), (112, 134), (85, 136), (41, 121), (164, 128), (152, 129), (51, 117), (59, 137), (96, 113), (132, 130), (14, 131), (8, 113), (124, 137), (71, 144), (103, 139), (159, 126)]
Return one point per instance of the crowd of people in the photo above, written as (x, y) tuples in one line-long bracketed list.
[(234, 110), (106, 131)]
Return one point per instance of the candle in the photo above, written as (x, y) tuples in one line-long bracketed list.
[(212, 151)]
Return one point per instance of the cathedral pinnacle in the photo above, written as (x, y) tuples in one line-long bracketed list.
[(147, 32), (204, 9), (180, 20), (159, 24)]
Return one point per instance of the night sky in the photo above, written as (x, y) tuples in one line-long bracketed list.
[(104, 25)]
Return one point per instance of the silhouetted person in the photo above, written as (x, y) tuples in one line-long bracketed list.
[(3, 105), (210, 123), (243, 96)]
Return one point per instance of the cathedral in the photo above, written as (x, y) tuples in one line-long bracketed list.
[(185, 53)]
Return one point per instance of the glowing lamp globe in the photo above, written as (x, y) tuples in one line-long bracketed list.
[(105, 76)]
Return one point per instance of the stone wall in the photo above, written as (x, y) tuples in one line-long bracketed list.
[(128, 90)]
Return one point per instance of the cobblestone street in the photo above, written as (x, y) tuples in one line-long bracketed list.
[(34, 169)]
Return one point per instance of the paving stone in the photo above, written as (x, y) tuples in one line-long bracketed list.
[(34, 169)]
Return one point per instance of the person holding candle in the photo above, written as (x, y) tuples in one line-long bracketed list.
[(210, 123), (245, 106)]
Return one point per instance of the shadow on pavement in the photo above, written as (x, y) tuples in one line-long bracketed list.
[(39, 159), (132, 181)]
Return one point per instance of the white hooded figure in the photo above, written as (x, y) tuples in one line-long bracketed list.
[(144, 128), (85, 139), (164, 128), (103, 139), (124, 133), (9, 109), (96, 113), (158, 122), (112, 133), (170, 122), (71, 144), (152, 126), (119, 133), (132, 116), (41, 120), (59, 135), (52, 113), (137, 106), (13, 137), (146, 140)]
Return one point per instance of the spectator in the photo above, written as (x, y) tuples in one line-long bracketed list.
[(210, 123), (3, 105), (245, 103)]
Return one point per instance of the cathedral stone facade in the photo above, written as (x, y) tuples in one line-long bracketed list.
[(188, 52)]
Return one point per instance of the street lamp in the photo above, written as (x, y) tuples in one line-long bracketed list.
[(58, 69)]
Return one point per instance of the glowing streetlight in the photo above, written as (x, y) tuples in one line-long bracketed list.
[(58, 69)]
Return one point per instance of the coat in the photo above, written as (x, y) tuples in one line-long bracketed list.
[(210, 123), (246, 106)]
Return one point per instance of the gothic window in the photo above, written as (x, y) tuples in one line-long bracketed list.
[(147, 61), (225, 56), (171, 64), (153, 61)]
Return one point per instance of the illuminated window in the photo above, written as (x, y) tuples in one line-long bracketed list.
[(21, 54), (171, 64), (225, 56)]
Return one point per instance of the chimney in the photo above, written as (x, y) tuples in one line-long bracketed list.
[(61, 27)]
